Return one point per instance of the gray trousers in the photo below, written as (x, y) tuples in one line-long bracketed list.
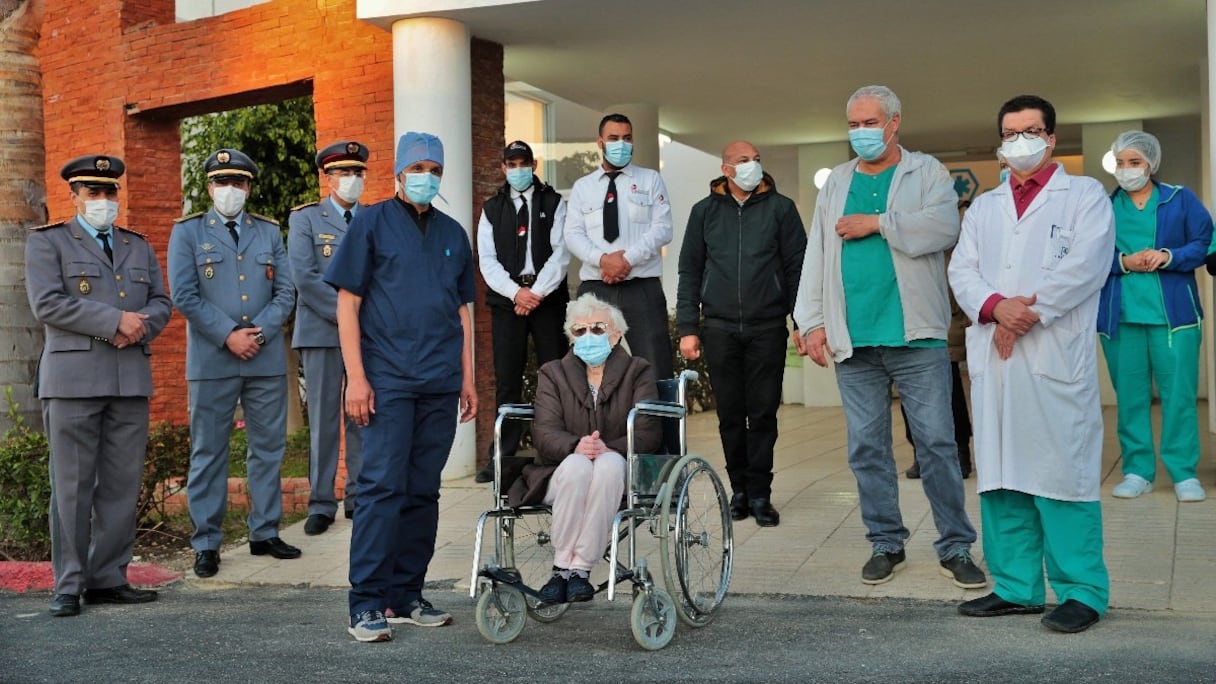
[(212, 408), (97, 461), (324, 373)]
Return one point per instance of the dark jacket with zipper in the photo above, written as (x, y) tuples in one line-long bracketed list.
[(740, 264)]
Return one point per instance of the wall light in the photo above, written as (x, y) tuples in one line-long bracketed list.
[(821, 177), (1108, 162)]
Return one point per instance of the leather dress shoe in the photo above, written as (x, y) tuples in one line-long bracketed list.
[(764, 513), (1071, 617), (65, 605), (993, 606), (121, 594), (317, 523), (349, 513), (738, 507), (275, 547), (486, 474), (206, 563)]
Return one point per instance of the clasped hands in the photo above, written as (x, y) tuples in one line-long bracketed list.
[(591, 446), (1146, 260), (131, 329), (614, 267), (1014, 318), (526, 301)]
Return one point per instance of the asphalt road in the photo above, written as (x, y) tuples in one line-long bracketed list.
[(297, 635)]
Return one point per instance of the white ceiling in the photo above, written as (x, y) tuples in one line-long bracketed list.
[(778, 72)]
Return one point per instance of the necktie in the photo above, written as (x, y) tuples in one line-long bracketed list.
[(105, 245), (521, 233), (612, 221), (346, 215), (236, 237)]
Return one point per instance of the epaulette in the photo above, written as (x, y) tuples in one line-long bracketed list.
[(133, 232), (49, 225), (187, 217), (305, 206), (267, 219)]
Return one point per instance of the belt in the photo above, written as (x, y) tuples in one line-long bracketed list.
[(526, 280)]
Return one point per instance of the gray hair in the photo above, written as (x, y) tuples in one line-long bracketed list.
[(885, 96), (587, 306), (1138, 141)]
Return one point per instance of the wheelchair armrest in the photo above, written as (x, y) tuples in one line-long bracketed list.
[(516, 410), (662, 409)]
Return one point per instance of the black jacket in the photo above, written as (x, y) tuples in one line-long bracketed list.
[(739, 265)]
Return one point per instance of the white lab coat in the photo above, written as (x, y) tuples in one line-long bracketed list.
[(1037, 415)]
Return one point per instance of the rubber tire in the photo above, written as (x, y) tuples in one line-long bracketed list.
[(689, 472), (501, 614), (653, 629)]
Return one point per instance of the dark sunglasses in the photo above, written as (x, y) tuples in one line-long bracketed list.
[(597, 328)]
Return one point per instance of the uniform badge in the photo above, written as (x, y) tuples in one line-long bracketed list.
[(209, 273), (352, 148), (207, 247), (85, 287), (327, 250), (223, 157), (270, 272), (102, 164)]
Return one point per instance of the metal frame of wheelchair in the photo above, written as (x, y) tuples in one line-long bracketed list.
[(688, 513)]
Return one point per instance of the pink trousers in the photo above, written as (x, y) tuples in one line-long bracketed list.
[(585, 495)]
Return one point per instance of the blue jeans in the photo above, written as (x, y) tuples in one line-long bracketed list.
[(923, 378)]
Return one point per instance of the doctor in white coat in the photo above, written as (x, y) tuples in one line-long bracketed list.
[(1031, 259)]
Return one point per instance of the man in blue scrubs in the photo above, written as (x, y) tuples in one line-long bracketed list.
[(404, 276)]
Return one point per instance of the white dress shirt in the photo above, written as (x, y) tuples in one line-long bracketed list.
[(496, 275), (645, 221)]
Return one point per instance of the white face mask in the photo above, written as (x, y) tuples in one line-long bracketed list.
[(1132, 178), (748, 175), (350, 188), (100, 213), (1022, 154), (229, 199)]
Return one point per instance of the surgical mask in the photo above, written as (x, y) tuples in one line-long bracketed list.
[(421, 188), (592, 349), (1004, 174), (520, 179), (100, 213), (618, 152), (229, 199), (1022, 154), (748, 175), (868, 143), (350, 188), (1132, 178)]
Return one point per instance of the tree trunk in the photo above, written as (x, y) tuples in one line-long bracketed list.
[(22, 198)]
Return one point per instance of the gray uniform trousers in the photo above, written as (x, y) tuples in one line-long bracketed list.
[(325, 372)]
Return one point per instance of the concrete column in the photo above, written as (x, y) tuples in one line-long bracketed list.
[(645, 120), (818, 384), (1095, 143), (432, 93)]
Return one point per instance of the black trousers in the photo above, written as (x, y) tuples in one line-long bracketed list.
[(644, 305), (962, 421), (746, 370), (511, 333)]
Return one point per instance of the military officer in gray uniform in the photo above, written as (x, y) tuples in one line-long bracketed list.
[(98, 290), (316, 230), (228, 276)]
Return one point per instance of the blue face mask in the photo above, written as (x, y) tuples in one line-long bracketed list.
[(618, 152), (520, 179), (421, 188), (1004, 174), (592, 349), (868, 143)]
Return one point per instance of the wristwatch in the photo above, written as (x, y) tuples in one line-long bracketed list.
[(260, 338)]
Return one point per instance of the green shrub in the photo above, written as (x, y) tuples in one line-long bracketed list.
[(25, 490), (166, 466), (700, 394), (295, 458)]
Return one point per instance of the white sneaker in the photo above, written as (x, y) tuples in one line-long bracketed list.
[(1133, 486), (1189, 490)]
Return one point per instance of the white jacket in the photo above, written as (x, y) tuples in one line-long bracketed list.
[(1038, 415)]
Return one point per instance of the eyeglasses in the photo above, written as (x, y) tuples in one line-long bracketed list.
[(1030, 133), (597, 328)]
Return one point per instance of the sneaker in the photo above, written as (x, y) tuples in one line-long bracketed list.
[(964, 572), (882, 566), (1132, 486), (579, 589), (420, 613), (370, 625), (913, 473), (554, 591), (1189, 490)]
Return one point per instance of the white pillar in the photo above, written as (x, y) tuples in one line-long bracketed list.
[(432, 93)]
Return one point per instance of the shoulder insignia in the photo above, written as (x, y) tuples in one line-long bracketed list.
[(304, 206), (132, 232), (189, 216), (267, 219), (49, 225)]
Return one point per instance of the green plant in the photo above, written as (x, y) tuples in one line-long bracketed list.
[(166, 465), (295, 457), (25, 489), (700, 394)]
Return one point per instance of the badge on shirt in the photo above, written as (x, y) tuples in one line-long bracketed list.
[(207, 247), (209, 273), (523, 230), (85, 287), (327, 250), (270, 272)]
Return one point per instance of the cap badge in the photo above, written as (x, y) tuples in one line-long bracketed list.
[(102, 164), (352, 148), (223, 157)]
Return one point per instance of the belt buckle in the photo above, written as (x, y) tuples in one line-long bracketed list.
[(527, 280)]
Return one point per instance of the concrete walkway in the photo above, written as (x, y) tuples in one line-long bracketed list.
[(1159, 552)]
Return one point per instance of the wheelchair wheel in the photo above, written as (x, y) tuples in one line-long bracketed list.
[(653, 619), (501, 613), (697, 542), (528, 548)]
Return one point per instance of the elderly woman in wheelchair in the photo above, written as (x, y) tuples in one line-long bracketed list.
[(579, 432)]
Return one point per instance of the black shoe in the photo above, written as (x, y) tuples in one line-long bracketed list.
[(913, 473), (962, 570), (349, 514), (486, 474), (206, 563), (882, 566), (275, 547), (993, 606), (65, 605), (579, 589), (554, 590), (124, 594), (317, 524), (738, 507), (1071, 617), (764, 513)]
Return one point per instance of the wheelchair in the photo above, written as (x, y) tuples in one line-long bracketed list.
[(677, 496)]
